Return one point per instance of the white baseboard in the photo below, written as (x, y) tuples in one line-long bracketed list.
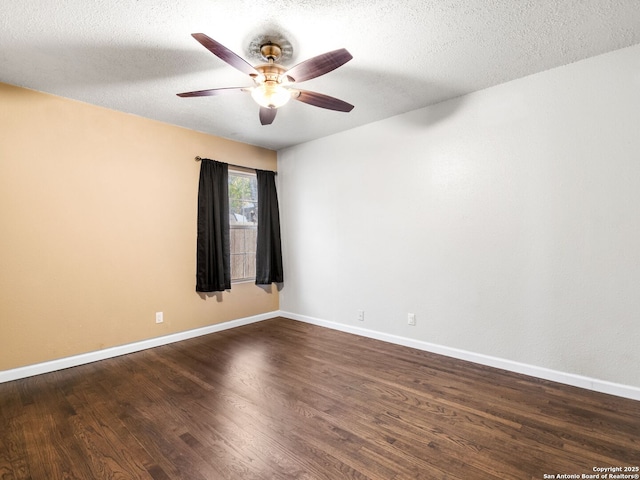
[(67, 362), (588, 383), (601, 386)]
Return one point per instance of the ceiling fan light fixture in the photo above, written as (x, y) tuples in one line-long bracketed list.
[(272, 80), (270, 94)]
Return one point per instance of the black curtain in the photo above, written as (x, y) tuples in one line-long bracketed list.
[(213, 272), (269, 249)]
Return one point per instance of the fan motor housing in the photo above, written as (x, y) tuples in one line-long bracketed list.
[(271, 71)]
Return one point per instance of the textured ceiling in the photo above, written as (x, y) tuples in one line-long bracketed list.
[(135, 55)]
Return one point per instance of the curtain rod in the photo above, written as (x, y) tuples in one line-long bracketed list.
[(198, 158)]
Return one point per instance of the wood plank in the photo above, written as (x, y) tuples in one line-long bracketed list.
[(282, 399)]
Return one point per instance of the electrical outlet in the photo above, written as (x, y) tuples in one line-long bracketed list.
[(159, 317), (361, 315), (411, 319)]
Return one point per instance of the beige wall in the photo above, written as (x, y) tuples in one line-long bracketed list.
[(98, 212)]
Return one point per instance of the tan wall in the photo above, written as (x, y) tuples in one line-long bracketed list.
[(98, 212)]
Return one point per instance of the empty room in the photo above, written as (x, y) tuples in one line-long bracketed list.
[(319, 240)]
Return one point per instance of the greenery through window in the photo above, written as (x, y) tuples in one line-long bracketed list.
[(243, 224)]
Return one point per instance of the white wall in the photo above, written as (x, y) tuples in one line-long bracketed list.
[(507, 220)]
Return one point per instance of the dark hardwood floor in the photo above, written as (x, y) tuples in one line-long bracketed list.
[(282, 399)]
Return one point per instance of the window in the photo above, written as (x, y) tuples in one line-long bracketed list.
[(243, 224)]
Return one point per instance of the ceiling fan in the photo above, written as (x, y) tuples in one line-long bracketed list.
[(273, 82)]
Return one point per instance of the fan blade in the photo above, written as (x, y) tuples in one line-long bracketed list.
[(225, 54), (267, 115), (323, 101), (212, 92), (316, 66)]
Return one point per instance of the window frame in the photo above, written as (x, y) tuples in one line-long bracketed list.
[(243, 226)]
